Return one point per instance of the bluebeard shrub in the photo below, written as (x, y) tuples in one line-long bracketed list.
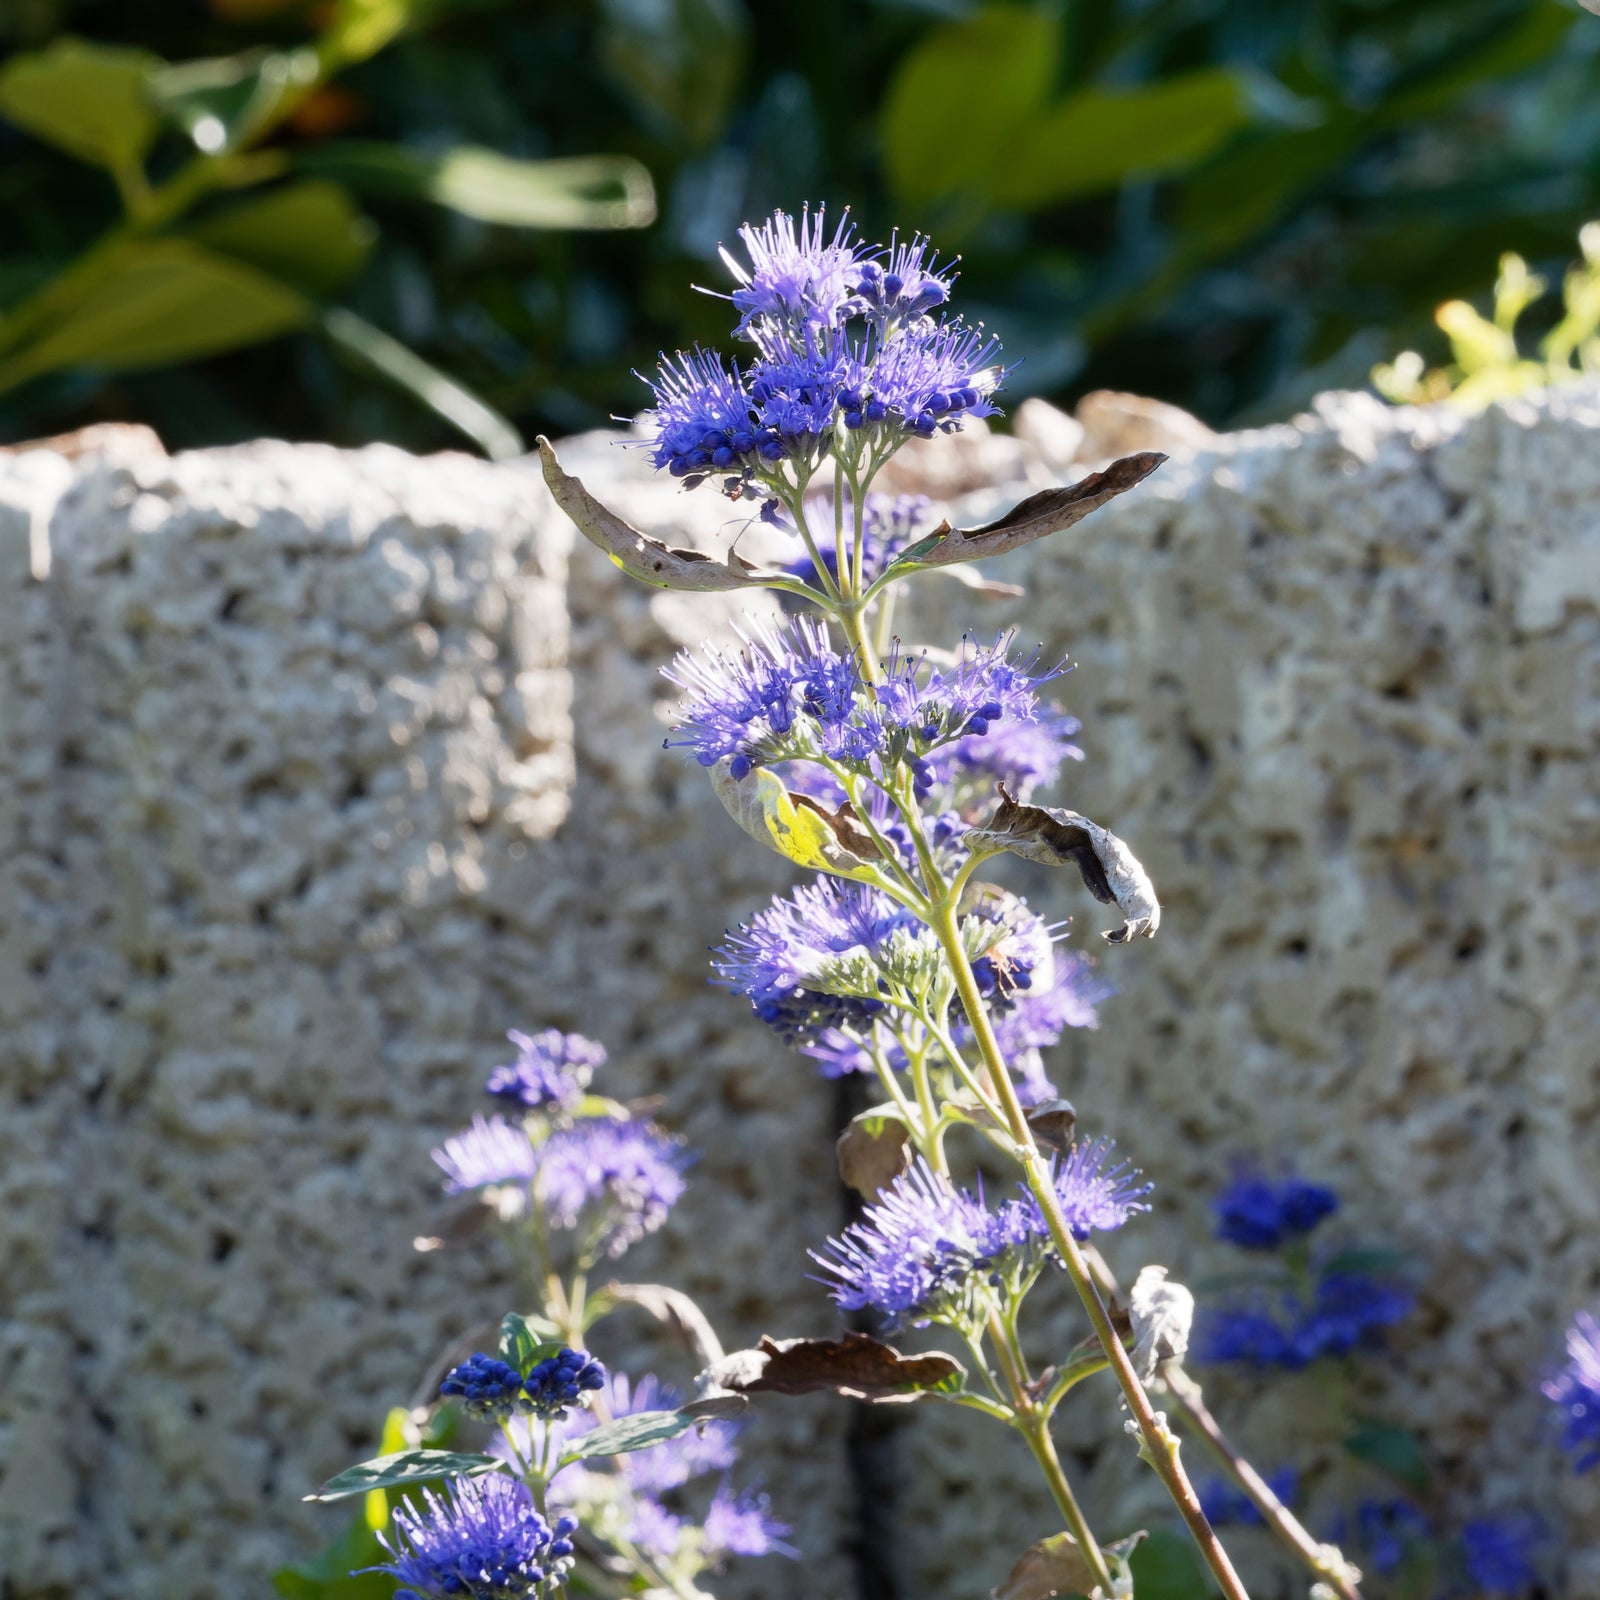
[(892, 773)]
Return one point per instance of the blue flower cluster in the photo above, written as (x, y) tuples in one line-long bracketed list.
[(1501, 1554), (562, 1380), (788, 695), (846, 355), (493, 1390), (1575, 1391), (487, 1388), (833, 961), (1345, 1312), (552, 1069), (483, 1539), (1255, 1213), (609, 1179), (922, 1243)]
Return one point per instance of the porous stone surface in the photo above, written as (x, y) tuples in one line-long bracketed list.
[(297, 823)]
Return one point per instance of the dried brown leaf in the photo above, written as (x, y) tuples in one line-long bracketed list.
[(1049, 511), (856, 1366), (873, 1151), (1110, 870), (649, 560)]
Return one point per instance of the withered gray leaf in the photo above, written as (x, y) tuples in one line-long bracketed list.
[(1110, 870), (1049, 511), (1052, 1122), (1161, 1313), (856, 1366), (663, 565), (677, 1310), (873, 1151)]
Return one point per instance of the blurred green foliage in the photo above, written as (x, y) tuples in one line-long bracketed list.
[(1224, 203)]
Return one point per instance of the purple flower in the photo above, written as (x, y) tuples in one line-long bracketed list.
[(928, 379), (491, 1151), (705, 420), (786, 694), (903, 282), (798, 280), (919, 1240), (1245, 1335), (796, 393), (1501, 1553), (660, 1468), (488, 1388), (1023, 755), (793, 957), (1097, 1192), (1257, 1214), (552, 1068), (482, 1539), (740, 1525), (652, 1528), (1575, 1390), (617, 1180)]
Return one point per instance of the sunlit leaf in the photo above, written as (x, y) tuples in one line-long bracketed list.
[(163, 301), (626, 1434), (88, 99), (403, 1468), (576, 192), (220, 100)]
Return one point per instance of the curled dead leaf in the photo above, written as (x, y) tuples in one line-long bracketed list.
[(1049, 511), (1162, 1314), (794, 825), (1110, 870), (677, 1310), (856, 1366), (640, 556), (873, 1151)]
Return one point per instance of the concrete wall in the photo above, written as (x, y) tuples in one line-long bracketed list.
[(322, 770)]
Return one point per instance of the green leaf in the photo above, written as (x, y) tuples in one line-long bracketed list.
[(88, 99), (221, 101), (520, 1345), (579, 192), (406, 1467), (1375, 1262), (1394, 1449), (161, 301), (638, 1432), (1166, 1566), (994, 71), (308, 234), (680, 62), (1098, 138), (453, 401)]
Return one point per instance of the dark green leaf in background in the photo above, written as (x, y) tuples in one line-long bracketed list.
[(1396, 1450), (679, 62), (1166, 1566), (308, 234)]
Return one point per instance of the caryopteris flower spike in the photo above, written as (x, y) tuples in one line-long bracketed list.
[(560, 1381), (551, 1069), (486, 1388)]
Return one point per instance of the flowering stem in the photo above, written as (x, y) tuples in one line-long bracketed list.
[(1160, 1448), (1322, 1559), (1025, 1417)]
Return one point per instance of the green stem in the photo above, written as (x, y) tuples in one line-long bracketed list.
[(1159, 1448)]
